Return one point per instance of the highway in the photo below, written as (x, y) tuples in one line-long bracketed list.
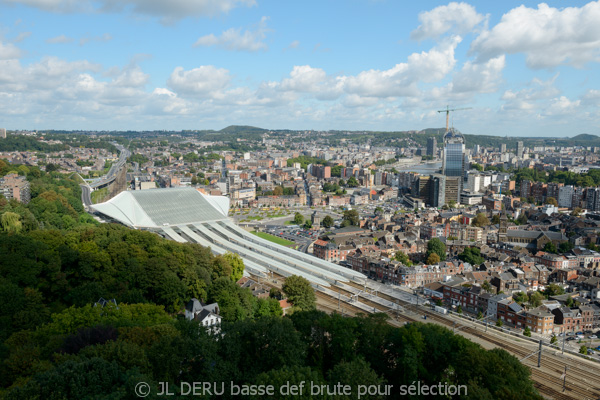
[(115, 168), (86, 189)]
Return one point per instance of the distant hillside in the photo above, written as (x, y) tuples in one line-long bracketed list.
[(242, 129), (585, 137)]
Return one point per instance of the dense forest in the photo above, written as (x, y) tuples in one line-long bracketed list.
[(55, 202), (28, 143), (106, 352)]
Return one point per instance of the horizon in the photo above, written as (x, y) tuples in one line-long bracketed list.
[(417, 131), (525, 70)]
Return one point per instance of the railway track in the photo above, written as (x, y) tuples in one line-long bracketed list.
[(582, 383)]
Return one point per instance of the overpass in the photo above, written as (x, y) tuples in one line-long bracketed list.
[(113, 172)]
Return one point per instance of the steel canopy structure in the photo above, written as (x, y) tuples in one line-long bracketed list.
[(186, 215)]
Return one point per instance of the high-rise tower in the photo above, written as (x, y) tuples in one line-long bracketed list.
[(432, 146), (453, 161), (520, 149)]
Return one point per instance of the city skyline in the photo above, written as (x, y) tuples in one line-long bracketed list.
[(527, 70)]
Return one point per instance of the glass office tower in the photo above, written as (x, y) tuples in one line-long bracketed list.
[(453, 163)]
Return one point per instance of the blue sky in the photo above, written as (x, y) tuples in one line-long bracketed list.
[(526, 69)]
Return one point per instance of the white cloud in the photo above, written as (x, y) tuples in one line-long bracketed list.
[(9, 51), (561, 106), (294, 45), (457, 17), (479, 78), (304, 79), (402, 79), (131, 77), (537, 95), (22, 36), (547, 36), (59, 39), (168, 11), (60, 6), (203, 81), (86, 39), (235, 39)]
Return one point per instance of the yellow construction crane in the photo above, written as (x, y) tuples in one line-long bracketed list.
[(447, 111)]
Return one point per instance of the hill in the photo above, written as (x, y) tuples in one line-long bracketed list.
[(585, 137), (242, 129)]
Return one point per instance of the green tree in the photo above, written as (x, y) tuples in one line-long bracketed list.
[(300, 293), (275, 293), (403, 258), (476, 166), (11, 222), (327, 222), (480, 220), (336, 170), (553, 339), (569, 302), (554, 290), (565, 247), (307, 224), (552, 201), (237, 266), (298, 218), (495, 219), (522, 219), (593, 246), (535, 299), (527, 331), (459, 309), (549, 248), (354, 373), (583, 350), (433, 259), (438, 247), (520, 297), (486, 286), (277, 191), (472, 255), (351, 216), (499, 322), (352, 182)]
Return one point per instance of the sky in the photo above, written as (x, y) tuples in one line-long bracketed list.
[(520, 68)]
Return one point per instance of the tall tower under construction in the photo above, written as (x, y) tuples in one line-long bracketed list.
[(453, 163)]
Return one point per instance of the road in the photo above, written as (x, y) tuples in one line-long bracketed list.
[(86, 189), (86, 195), (115, 168)]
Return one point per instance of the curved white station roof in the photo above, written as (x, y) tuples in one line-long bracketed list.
[(155, 208), (203, 219)]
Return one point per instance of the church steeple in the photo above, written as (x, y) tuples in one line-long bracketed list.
[(502, 227)]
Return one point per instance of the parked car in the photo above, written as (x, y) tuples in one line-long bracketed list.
[(571, 338), (593, 337), (590, 352)]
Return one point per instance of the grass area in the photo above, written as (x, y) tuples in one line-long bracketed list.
[(274, 239), (99, 195), (276, 215), (255, 218)]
